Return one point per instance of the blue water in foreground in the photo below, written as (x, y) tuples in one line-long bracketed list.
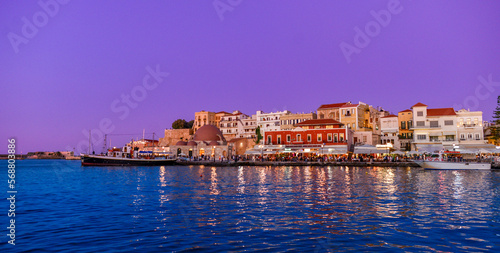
[(61, 206)]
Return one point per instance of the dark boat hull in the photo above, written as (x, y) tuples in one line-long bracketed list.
[(117, 161)]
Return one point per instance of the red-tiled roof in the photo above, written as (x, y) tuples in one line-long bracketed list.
[(389, 116), (222, 112), (350, 105), (407, 110), (337, 105), (418, 104), (316, 122), (440, 112)]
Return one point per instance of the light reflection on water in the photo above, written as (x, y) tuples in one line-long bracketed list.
[(267, 208)]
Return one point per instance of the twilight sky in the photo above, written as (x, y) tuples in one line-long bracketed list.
[(125, 66)]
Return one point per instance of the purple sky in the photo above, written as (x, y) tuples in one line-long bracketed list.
[(262, 55)]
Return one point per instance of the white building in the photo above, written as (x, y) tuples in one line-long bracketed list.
[(249, 126), (470, 127), (269, 121), (389, 129), (443, 127), (232, 126)]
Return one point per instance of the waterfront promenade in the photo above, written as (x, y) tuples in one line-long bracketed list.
[(298, 163)]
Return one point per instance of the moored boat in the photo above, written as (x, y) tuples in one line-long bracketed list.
[(98, 160), (439, 164)]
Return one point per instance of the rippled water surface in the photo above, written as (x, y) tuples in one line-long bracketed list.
[(62, 206)]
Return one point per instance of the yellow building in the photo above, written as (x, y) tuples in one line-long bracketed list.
[(289, 120), (405, 121), (203, 118)]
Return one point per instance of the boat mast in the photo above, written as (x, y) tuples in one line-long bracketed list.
[(90, 135)]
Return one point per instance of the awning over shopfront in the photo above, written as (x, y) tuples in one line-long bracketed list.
[(369, 149), (429, 148)]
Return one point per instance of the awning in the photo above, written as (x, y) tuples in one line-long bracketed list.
[(435, 134), (429, 148), (449, 133), (398, 152), (468, 151), (252, 152)]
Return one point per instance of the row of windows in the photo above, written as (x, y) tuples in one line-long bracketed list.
[(229, 125), (450, 137), (405, 124), (292, 121)]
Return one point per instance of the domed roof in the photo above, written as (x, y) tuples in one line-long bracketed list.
[(181, 143), (213, 143), (208, 133), (191, 143)]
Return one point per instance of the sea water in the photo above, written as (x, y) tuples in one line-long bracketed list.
[(62, 206)]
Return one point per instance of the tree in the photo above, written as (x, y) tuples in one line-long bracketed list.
[(179, 124), (495, 128), (258, 134), (182, 124)]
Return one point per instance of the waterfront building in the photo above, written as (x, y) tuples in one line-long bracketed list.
[(405, 122), (249, 126), (207, 142), (238, 146), (269, 121), (389, 130), (288, 121), (470, 127), (330, 111), (203, 118), (434, 128), (232, 125), (320, 136), (218, 117)]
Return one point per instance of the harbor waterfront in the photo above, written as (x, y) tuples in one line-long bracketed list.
[(63, 206)]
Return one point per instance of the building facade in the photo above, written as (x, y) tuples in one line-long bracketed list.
[(172, 136), (317, 136), (389, 128), (288, 121), (330, 111), (269, 122), (249, 126), (232, 125), (470, 127), (405, 122), (203, 118), (207, 143), (434, 128)]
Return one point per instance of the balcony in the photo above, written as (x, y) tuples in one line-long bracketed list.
[(469, 125)]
